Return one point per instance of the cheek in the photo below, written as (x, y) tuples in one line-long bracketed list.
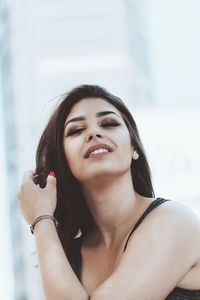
[(71, 154), (125, 148), (124, 140)]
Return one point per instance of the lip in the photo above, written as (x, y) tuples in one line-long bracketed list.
[(96, 147)]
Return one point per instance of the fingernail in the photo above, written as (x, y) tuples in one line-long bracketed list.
[(52, 174)]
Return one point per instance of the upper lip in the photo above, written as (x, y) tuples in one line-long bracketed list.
[(95, 147)]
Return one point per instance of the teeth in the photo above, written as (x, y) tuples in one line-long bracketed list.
[(98, 151)]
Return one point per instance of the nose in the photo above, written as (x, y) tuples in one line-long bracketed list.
[(90, 137), (93, 134)]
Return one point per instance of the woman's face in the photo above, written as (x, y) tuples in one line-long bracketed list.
[(94, 122)]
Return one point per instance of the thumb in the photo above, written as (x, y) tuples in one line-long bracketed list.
[(51, 182), (52, 174), (51, 177)]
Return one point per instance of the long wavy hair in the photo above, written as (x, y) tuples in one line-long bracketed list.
[(72, 211)]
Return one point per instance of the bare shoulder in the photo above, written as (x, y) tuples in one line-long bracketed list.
[(175, 219), (169, 238), (178, 208), (190, 224), (163, 249), (182, 215), (175, 212)]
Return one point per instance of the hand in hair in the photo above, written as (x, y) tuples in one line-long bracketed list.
[(35, 201)]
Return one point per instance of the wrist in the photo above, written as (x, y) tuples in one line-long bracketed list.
[(41, 218), (44, 226)]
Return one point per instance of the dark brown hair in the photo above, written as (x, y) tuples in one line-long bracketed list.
[(72, 211)]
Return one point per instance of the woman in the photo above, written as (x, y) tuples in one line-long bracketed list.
[(103, 192)]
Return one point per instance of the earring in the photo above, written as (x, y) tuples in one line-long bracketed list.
[(135, 155)]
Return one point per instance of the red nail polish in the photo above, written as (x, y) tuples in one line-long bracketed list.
[(52, 174)]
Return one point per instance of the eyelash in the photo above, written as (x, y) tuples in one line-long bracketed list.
[(79, 130)]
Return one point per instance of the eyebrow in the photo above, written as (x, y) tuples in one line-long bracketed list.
[(82, 118)]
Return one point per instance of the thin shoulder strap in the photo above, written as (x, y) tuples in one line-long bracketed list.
[(153, 205)]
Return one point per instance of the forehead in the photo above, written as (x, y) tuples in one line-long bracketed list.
[(88, 106)]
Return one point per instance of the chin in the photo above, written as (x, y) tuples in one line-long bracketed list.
[(101, 176)]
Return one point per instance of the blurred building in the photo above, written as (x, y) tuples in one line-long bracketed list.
[(47, 48), (11, 153), (6, 257), (136, 19)]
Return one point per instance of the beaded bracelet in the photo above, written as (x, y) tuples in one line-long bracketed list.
[(40, 218)]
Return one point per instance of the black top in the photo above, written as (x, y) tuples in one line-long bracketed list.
[(75, 259)]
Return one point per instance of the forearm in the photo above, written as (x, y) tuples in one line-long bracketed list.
[(58, 278)]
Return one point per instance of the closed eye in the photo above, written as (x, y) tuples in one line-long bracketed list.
[(110, 124), (79, 130), (74, 131)]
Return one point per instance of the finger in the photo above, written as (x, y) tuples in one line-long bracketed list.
[(28, 176), (34, 172), (52, 174), (51, 180)]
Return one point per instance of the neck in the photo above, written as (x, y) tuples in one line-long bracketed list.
[(114, 205)]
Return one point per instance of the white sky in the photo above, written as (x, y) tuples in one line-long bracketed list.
[(175, 47)]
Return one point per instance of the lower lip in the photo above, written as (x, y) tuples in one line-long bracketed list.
[(98, 154)]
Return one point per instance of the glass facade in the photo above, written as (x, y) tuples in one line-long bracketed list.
[(10, 162)]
